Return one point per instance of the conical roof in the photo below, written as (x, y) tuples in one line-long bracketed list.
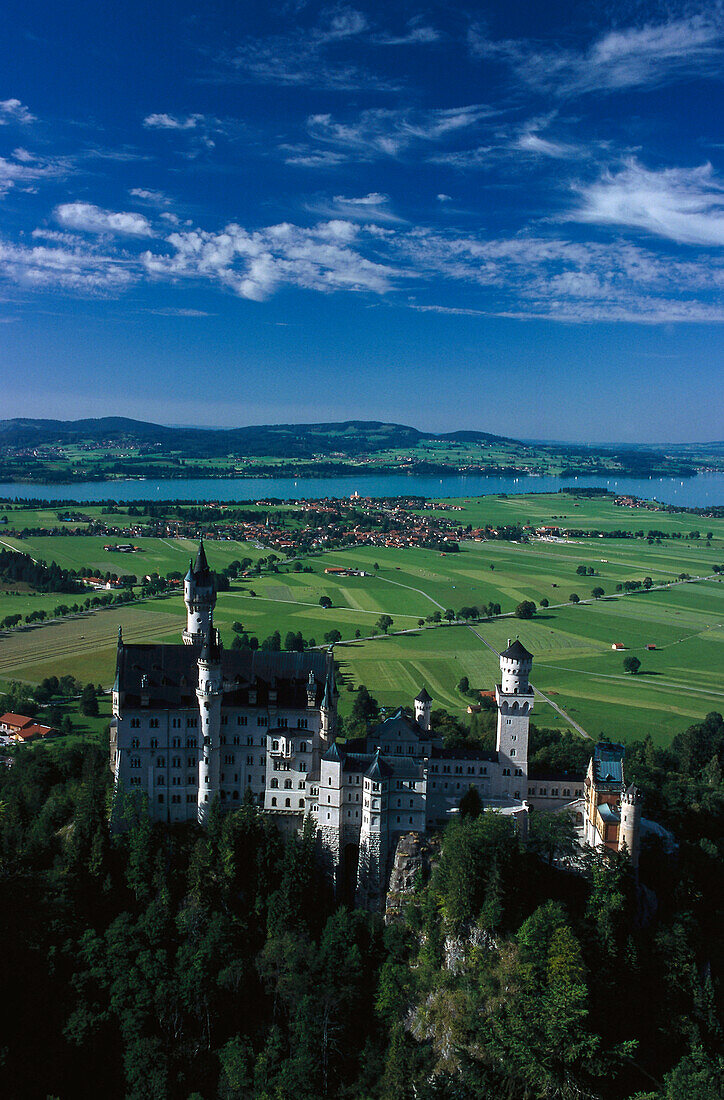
[(201, 565), (517, 652), (423, 697)]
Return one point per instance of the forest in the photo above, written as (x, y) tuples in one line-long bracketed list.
[(172, 962)]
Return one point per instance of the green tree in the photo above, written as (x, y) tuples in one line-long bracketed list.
[(525, 610), (631, 664), (384, 623)]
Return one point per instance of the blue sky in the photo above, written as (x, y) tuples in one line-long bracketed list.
[(498, 216)]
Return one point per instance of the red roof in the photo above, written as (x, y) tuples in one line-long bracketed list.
[(19, 720)]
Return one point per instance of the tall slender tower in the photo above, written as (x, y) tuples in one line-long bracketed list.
[(514, 697), (209, 693), (200, 599), (628, 833)]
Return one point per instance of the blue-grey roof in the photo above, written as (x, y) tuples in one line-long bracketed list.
[(517, 652), (608, 763), (608, 814)]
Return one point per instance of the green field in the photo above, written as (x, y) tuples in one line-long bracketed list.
[(679, 682)]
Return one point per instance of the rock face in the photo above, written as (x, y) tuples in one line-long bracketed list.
[(410, 868)]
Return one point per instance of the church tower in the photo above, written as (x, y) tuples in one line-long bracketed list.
[(514, 697), (200, 599), (209, 694)]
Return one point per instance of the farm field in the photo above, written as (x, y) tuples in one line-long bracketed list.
[(679, 682)]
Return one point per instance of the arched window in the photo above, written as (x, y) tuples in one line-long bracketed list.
[(303, 746), (301, 803), (274, 801), (274, 783), (275, 745), (287, 784), (288, 802)]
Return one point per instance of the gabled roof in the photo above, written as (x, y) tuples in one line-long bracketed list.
[(517, 652), (378, 769)]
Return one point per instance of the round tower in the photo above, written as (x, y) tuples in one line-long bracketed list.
[(209, 694), (628, 833), (200, 599), (515, 667), (423, 703)]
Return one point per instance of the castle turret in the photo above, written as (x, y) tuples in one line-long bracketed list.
[(327, 712), (628, 833), (423, 702), (373, 837), (200, 599), (209, 694), (514, 697)]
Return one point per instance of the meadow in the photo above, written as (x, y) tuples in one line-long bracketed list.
[(679, 682)]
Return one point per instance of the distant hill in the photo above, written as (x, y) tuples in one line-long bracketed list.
[(349, 437)]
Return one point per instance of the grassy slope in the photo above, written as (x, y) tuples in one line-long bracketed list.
[(681, 681)]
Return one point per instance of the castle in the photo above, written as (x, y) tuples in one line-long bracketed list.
[(193, 722)]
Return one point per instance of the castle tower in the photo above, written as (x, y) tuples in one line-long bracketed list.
[(514, 697), (209, 693), (628, 833), (200, 599), (423, 702), (373, 838)]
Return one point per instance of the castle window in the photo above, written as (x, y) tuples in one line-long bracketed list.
[(301, 803), (330, 780), (160, 780), (398, 819), (224, 720), (250, 760), (514, 737), (518, 771), (531, 791), (191, 723), (398, 749), (135, 781), (287, 784), (274, 802), (222, 739), (506, 771), (176, 723), (190, 743), (274, 783), (135, 761), (302, 725), (176, 762), (262, 720), (301, 785), (135, 723), (153, 724), (190, 762), (283, 723), (411, 803), (161, 799), (176, 743), (303, 766), (566, 791), (483, 771), (512, 752), (229, 758), (135, 743), (190, 798), (303, 746), (288, 802), (262, 760), (275, 746), (242, 720), (190, 781), (160, 762)]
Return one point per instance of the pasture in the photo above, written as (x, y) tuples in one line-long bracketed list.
[(679, 681)]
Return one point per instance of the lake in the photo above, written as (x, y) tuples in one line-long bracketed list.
[(694, 492)]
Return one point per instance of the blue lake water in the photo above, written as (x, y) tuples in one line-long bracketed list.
[(694, 492)]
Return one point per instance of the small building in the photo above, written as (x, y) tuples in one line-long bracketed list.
[(617, 645), (651, 646), (13, 724)]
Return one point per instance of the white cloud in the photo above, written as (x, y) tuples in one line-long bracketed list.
[(156, 198), (255, 264), (87, 218), (24, 170), (172, 122), (12, 110), (374, 207), (683, 204), (643, 56), (417, 34), (389, 132), (75, 268), (442, 197)]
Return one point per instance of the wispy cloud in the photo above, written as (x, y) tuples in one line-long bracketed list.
[(25, 171), (682, 204), (154, 198), (417, 33), (382, 132), (79, 269), (632, 57), (87, 218), (373, 207), (12, 110), (163, 121)]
